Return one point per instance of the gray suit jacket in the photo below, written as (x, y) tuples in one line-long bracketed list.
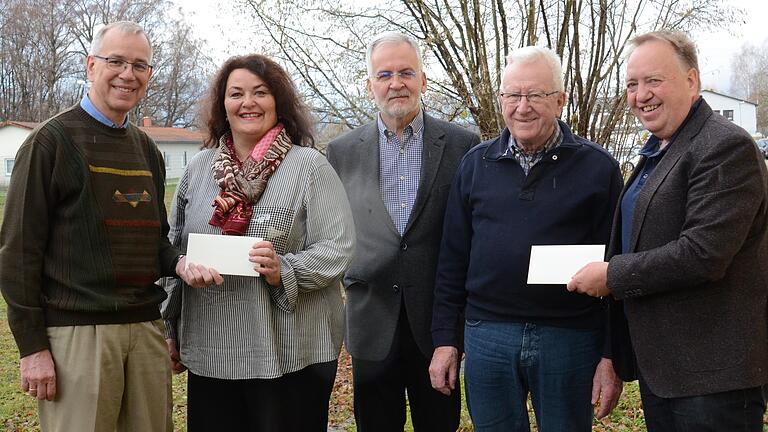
[(388, 269), (694, 284)]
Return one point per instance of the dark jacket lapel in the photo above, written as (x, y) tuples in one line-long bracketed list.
[(431, 154), (369, 160), (676, 150)]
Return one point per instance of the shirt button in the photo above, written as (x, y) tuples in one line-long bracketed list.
[(395, 288), (404, 246), (645, 175), (554, 157), (402, 177), (402, 151), (402, 205)]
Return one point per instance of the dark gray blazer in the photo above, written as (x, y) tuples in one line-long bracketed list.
[(695, 282), (388, 270)]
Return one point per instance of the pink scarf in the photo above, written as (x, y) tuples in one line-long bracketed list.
[(243, 183)]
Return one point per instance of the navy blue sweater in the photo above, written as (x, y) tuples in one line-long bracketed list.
[(495, 213)]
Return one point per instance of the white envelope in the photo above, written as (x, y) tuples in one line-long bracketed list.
[(227, 254), (556, 264)]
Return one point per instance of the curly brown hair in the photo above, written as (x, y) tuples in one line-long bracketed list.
[(291, 110)]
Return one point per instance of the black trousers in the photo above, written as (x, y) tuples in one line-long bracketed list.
[(296, 401), (736, 410), (380, 388)]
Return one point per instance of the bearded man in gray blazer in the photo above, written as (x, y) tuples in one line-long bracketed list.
[(397, 171), (688, 257)]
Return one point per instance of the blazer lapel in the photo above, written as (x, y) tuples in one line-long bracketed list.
[(431, 154), (676, 150), (668, 161), (369, 161)]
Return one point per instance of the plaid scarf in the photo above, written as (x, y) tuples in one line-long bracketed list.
[(242, 183)]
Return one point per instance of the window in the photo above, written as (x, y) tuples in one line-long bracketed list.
[(716, 111), (8, 166), (728, 114), (185, 159), (167, 159)]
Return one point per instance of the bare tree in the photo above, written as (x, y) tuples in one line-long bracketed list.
[(323, 41), (180, 78), (89, 15), (43, 44), (749, 79), (323, 47), (38, 68)]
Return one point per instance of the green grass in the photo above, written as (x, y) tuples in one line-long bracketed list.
[(170, 189), (17, 411)]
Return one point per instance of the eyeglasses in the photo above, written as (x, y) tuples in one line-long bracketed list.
[(385, 76), (533, 98), (119, 65)]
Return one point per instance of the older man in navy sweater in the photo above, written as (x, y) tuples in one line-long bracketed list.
[(536, 184)]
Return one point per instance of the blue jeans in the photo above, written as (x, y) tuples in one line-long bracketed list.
[(506, 361)]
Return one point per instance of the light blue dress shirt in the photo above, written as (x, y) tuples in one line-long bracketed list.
[(88, 106)]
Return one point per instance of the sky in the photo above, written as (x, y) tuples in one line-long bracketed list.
[(227, 34), (717, 48)]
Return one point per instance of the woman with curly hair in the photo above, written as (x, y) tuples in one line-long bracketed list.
[(261, 351)]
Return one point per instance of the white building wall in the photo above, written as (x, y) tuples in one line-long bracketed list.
[(11, 138), (177, 156), (742, 113)]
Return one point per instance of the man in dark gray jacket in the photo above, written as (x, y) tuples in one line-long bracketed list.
[(688, 256), (397, 171)]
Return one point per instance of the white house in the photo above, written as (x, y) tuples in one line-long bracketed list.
[(177, 145), (740, 111), (12, 134)]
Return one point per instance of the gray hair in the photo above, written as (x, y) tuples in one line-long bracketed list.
[(532, 54), (391, 37), (124, 27), (685, 48)]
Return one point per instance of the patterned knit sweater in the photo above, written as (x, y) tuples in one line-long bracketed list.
[(84, 232)]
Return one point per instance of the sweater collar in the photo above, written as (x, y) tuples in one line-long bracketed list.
[(499, 148), (94, 112)]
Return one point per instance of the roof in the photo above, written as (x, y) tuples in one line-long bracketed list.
[(729, 96), (21, 124), (158, 134), (169, 134)]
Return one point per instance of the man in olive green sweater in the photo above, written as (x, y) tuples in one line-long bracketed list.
[(83, 240)]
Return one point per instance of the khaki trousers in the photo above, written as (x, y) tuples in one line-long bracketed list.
[(114, 377)]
